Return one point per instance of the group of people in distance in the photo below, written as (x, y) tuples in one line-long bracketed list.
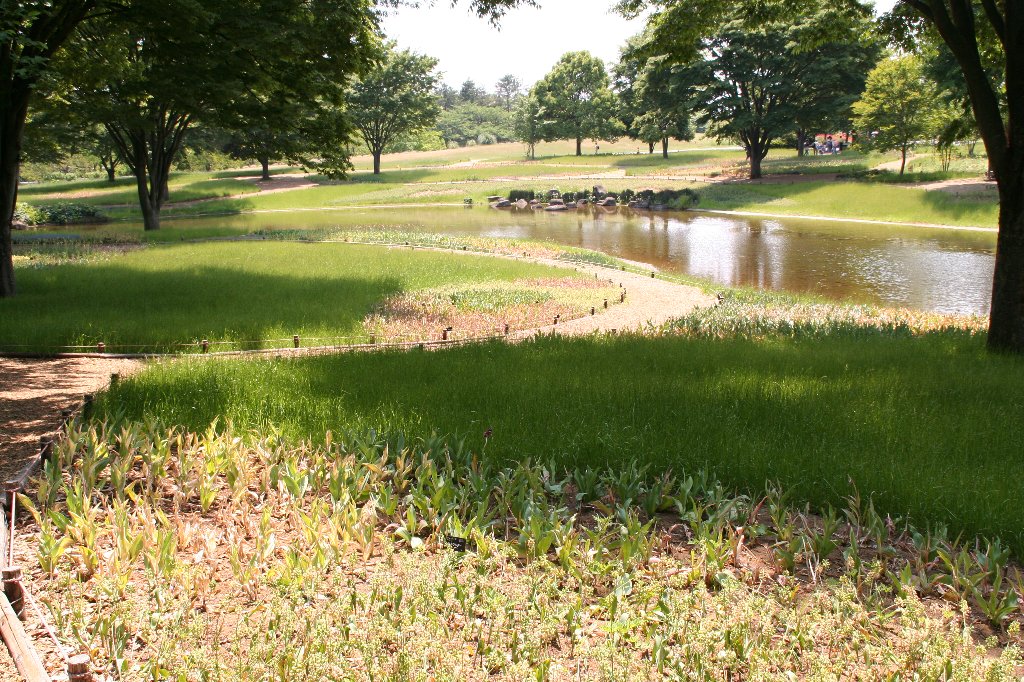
[(828, 146)]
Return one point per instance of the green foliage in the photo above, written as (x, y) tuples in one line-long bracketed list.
[(899, 106), (472, 121), (577, 100), (528, 123), (394, 98)]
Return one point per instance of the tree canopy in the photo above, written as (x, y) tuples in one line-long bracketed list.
[(579, 101), (395, 97)]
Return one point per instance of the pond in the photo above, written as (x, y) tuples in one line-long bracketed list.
[(941, 270)]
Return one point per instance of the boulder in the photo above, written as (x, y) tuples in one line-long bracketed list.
[(571, 204), (522, 203), (557, 207), (608, 202), (556, 202), (504, 203), (494, 199)]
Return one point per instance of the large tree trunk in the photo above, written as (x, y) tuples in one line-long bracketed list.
[(664, 147), (579, 146), (12, 123), (1006, 322), (650, 147), (376, 162), (801, 140), (149, 154), (265, 163), (112, 173), (757, 149), (903, 159)]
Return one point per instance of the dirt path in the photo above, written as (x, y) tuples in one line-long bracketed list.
[(32, 395)]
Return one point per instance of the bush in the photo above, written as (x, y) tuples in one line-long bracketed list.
[(486, 138), (679, 199), (63, 213), (517, 194)]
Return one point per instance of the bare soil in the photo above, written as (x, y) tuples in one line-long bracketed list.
[(32, 395)]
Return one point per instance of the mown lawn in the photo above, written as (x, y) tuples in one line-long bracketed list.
[(929, 426), (247, 294)]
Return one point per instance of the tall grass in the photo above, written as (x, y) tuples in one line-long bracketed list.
[(931, 425)]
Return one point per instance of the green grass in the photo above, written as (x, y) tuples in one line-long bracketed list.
[(857, 200), (244, 293), (182, 187), (930, 426)]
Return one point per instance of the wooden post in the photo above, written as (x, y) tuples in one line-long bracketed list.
[(606, 304), (506, 329), (592, 311), (101, 347), (444, 334), (45, 448), (26, 660), (206, 345), (13, 590), (295, 340), (79, 668)]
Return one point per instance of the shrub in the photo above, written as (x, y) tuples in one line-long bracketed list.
[(517, 194), (486, 138), (27, 215), (679, 199), (66, 213)]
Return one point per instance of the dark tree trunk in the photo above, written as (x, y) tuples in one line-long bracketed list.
[(149, 154), (376, 162), (112, 173), (903, 159), (650, 147), (757, 148), (664, 147), (265, 163), (109, 163), (12, 122), (801, 141), (1006, 322), (579, 146)]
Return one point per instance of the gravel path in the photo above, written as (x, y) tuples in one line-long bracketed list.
[(648, 302), (32, 395)]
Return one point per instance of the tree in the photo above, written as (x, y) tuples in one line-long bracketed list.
[(475, 122), (394, 98), (898, 106), (148, 75), (578, 100), (833, 72), (471, 93), (979, 33), (528, 123), (447, 96), (658, 95), (749, 86), (507, 90), (32, 32)]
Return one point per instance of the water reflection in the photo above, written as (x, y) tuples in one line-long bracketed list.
[(929, 269)]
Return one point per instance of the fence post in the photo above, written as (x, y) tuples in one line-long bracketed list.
[(295, 340)]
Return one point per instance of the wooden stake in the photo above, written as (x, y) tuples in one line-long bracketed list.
[(26, 660), (79, 668), (295, 340), (101, 347), (206, 346), (13, 590)]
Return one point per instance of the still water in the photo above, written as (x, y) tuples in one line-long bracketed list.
[(947, 271)]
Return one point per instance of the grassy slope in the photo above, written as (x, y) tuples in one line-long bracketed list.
[(435, 177), (228, 291), (922, 423)]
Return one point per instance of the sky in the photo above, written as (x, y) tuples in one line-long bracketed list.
[(529, 42)]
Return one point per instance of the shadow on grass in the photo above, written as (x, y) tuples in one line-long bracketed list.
[(133, 309), (928, 426)]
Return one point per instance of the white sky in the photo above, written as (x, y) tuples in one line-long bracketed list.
[(529, 42)]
